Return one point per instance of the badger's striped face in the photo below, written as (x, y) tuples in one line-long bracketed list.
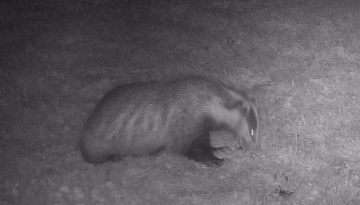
[(247, 125), (252, 121), (241, 117), (250, 112)]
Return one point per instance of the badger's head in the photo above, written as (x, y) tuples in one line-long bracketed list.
[(249, 138)]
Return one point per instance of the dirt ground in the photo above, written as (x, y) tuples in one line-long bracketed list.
[(299, 58)]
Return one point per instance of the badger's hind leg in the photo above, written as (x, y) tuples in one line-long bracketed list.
[(201, 151)]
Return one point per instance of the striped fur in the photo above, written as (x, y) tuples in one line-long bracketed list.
[(175, 116)]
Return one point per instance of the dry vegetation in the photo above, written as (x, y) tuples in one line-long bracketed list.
[(300, 58)]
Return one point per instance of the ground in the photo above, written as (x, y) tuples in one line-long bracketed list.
[(298, 58)]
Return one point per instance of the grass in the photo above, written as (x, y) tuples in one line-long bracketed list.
[(298, 58)]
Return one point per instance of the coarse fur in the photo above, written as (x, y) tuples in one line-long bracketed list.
[(175, 116)]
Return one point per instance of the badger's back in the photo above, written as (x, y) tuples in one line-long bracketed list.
[(110, 128), (138, 119)]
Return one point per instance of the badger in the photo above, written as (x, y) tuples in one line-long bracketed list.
[(175, 116)]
